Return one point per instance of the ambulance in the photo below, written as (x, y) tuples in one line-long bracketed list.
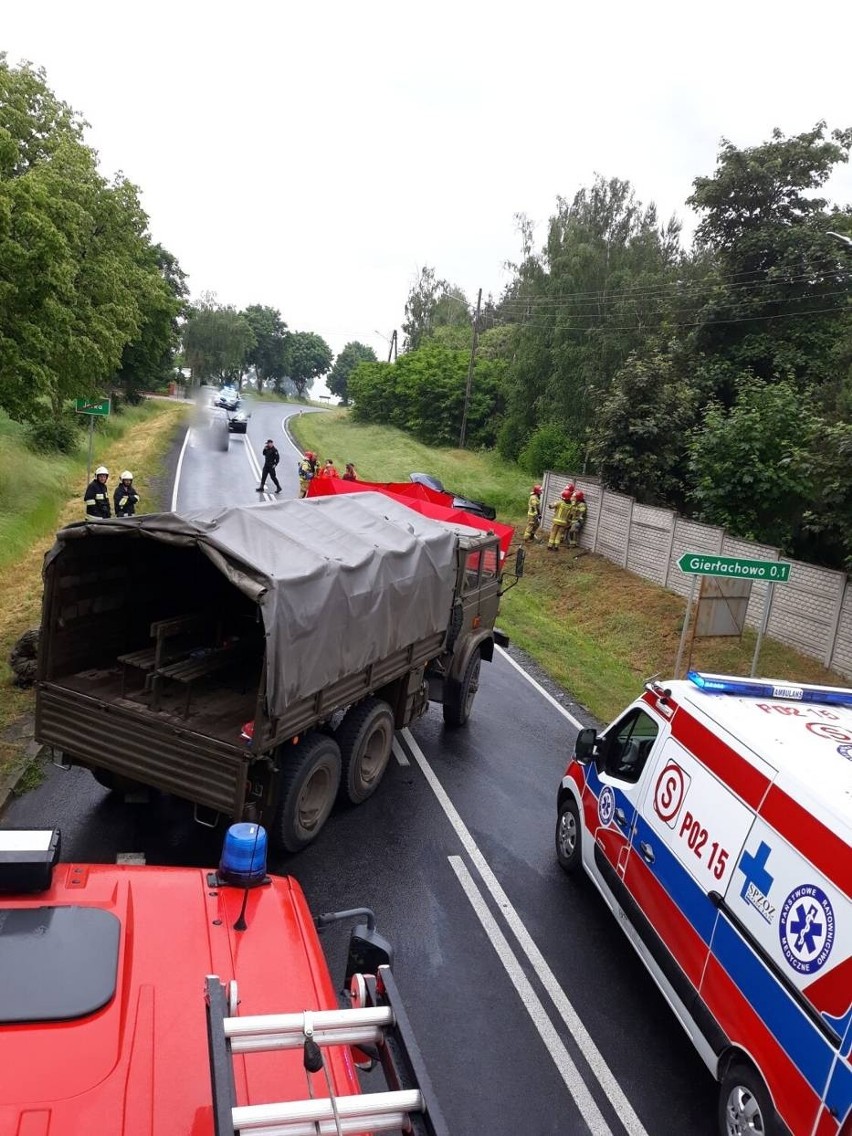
[(715, 818)]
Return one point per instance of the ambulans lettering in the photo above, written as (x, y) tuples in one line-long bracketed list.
[(698, 840), (758, 881), (670, 791), (606, 805), (806, 928)]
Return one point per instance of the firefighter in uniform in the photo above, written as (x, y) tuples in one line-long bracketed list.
[(96, 497), (307, 471), (561, 518), (533, 513), (579, 510), (125, 496)]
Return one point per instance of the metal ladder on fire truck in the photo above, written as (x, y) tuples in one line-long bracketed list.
[(377, 1023)]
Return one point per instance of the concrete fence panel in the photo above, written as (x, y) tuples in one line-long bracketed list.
[(841, 652), (804, 610), (613, 532), (650, 542)]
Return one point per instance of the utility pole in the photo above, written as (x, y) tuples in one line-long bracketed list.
[(470, 370), (392, 346)]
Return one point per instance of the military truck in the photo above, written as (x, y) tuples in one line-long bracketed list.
[(257, 660)]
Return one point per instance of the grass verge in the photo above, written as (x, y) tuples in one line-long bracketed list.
[(139, 440), (597, 630)]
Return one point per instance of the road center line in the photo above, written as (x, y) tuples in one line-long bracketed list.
[(569, 1015), (541, 689), (568, 1071)]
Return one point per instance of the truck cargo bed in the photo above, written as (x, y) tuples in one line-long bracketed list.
[(200, 757)]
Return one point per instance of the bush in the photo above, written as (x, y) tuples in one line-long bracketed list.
[(551, 448), (59, 435)]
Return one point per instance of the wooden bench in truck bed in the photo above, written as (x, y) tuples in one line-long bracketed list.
[(150, 659)]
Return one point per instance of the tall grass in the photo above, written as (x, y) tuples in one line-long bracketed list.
[(382, 453)]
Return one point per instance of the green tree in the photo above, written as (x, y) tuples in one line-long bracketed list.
[(148, 360), (268, 356), (750, 466), (638, 441), (216, 342), (308, 357), (75, 279), (777, 301), (420, 307), (345, 363), (826, 534)]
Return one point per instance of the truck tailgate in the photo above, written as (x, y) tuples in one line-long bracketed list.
[(157, 753)]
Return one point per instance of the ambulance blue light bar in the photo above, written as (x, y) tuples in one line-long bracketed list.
[(757, 688)]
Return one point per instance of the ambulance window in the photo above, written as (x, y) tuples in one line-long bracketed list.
[(629, 744)]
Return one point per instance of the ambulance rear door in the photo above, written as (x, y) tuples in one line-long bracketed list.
[(685, 842)]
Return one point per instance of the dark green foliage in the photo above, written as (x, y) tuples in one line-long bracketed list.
[(550, 448), (750, 466), (59, 435), (423, 393), (308, 357), (268, 353), (345, 363)]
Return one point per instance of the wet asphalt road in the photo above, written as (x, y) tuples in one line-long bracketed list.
[(495, 947)]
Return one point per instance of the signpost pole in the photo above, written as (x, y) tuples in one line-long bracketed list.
[(89, 464), (685, 627), (767, 604)]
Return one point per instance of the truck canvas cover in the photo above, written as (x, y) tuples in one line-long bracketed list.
[(341, 582)]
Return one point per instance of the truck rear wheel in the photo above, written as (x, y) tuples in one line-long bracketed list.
[(460, 693), (115, 782), (365, 737), (309, 781)]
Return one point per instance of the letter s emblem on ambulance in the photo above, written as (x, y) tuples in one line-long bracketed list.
[(670, 791)]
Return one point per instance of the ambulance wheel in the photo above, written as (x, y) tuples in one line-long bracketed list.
[(365, 737), (568, 849), (310, 777), (460, 693), (745, 1108)]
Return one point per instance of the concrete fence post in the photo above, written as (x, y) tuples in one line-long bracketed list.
[(627, 540), (831, 638)]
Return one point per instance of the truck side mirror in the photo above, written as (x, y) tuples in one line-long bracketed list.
[(584, 747), (519, 561)]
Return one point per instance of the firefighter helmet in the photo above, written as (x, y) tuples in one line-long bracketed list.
[(101, 469)]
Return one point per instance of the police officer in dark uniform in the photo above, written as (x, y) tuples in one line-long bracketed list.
[(271, 457), (96, 497)]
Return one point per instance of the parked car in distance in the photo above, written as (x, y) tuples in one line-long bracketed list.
[(477, 507), (238, 422), (228, 399)]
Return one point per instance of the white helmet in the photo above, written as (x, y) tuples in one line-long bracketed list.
[(127, 475), (101, 469)]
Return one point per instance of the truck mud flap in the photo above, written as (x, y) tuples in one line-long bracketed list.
[(156, 753)]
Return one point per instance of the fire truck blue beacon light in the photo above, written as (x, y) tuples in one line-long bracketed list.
[(243, 859)]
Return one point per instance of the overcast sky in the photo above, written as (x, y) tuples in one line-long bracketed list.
[(313, 156)]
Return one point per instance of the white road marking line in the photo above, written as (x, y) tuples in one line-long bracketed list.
[(255, 465), (399, 752), (568, 1071), (177, 471), (541, 689), (569, 1015)]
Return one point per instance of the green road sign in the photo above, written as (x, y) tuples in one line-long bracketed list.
[(87, 406), (702, 564)]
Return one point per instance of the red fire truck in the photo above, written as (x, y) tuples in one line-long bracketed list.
[(192, 1002)]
